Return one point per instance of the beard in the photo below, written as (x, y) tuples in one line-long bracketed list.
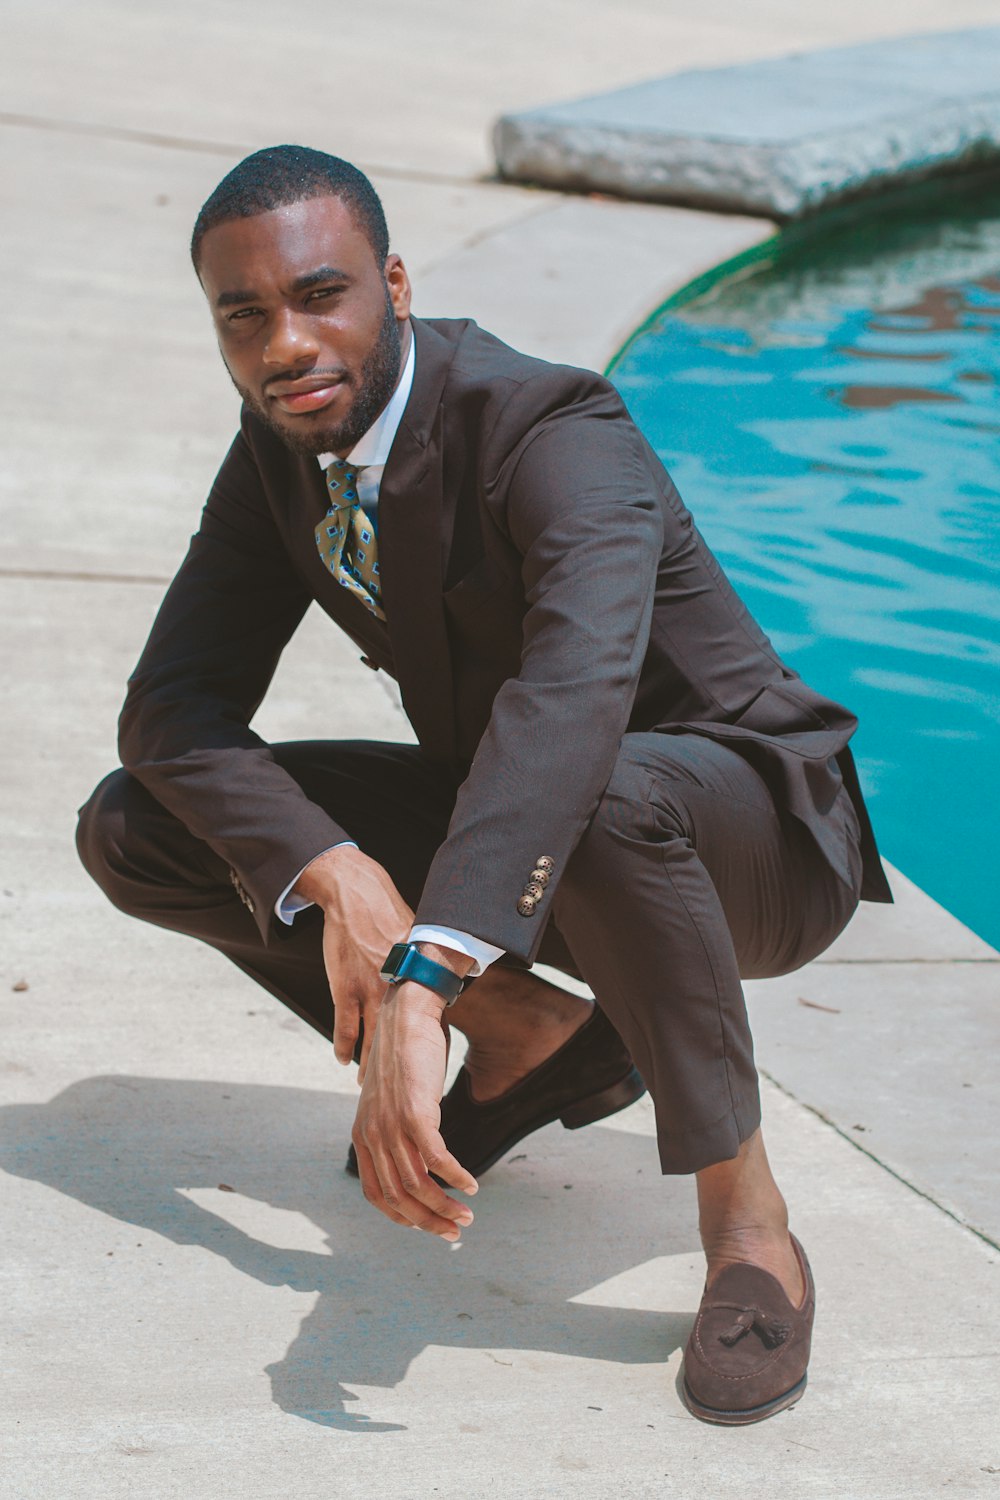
[(374, 387)]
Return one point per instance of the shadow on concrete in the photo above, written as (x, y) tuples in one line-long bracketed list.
[(566, 1214)]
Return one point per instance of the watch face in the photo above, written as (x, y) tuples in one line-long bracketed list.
[(391, 967)]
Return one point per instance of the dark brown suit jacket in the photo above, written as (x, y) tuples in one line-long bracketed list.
[(546, 592)]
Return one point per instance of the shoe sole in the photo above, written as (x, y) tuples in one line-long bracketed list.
[(599, 1106), (748, 1414)]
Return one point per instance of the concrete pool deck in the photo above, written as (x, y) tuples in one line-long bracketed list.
[(199, 1303)]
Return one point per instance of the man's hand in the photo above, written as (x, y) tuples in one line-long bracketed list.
[(397, 1130), (363, 915)]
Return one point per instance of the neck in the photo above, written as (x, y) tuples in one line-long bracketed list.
[(406, 339)]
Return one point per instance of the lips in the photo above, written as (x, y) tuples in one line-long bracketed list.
[(295, 396)]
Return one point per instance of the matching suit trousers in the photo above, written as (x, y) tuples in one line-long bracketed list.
[(687, 879)]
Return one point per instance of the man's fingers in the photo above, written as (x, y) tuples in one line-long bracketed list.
[(371, 1020), (439, 1160), (371, 1187), (415, 1178), (395, 1200), (403, 1191), (346, 1023)]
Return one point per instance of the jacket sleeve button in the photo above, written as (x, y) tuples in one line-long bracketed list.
[(545, 862), (534, 890), (539, 877), (526, 906)]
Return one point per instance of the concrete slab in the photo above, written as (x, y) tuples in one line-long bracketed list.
[(573, 281), (780, 137), (411, 88), (205, 1307), (900, 1058), (915, 930)]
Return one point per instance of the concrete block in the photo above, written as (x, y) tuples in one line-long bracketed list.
[(780, 137)]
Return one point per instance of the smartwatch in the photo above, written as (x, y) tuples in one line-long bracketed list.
[(405, 961)]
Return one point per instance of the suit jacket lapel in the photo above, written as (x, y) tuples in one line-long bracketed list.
[(414, 537)]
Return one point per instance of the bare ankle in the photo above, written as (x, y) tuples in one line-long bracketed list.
[(743, 1217), (515, 1001), (738, 1241), (513, 1021)]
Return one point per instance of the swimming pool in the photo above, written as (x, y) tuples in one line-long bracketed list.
[(830, 409)]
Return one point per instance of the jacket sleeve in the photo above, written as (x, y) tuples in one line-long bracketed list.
[(184, 730), (577, 499)]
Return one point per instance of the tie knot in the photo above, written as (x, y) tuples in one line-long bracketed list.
[(341, 481)]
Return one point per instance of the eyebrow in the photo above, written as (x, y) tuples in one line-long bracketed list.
[(300, 284), (315, 278)]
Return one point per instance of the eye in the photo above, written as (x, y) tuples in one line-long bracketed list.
[(327, 291), (242, 313)]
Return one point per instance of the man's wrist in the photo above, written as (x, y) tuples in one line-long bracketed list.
[(412, 996), (318, 882)]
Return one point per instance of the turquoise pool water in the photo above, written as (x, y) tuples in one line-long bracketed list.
[(831, 415)]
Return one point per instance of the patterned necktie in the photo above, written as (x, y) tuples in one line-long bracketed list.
[(346, 538)]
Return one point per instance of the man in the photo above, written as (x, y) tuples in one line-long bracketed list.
[(615, 772)]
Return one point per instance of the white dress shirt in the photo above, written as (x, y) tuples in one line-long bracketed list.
[(370, 454)]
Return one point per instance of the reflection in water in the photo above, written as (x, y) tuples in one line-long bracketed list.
[(841, 460), (879, 397), (942, 309)]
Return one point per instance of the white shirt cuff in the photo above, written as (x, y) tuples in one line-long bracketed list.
[(482, 954), (287, 905)]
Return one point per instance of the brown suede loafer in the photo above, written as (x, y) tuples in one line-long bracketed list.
[(747, 1355), (590, 1077)]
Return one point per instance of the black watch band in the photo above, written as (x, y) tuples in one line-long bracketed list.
[(406, 961)]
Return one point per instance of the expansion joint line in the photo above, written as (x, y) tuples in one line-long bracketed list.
[(135, 137), (905, 1181)]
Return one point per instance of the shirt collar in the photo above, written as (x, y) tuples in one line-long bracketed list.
[(374, 447)]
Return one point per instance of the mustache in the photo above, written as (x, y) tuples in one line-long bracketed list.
[(316, 373)]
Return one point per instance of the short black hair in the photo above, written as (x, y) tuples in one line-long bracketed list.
[(280, 175)]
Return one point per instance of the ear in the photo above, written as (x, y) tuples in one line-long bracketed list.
[(398, 282)]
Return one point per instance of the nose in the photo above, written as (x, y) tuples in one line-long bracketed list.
[(290, 340)]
